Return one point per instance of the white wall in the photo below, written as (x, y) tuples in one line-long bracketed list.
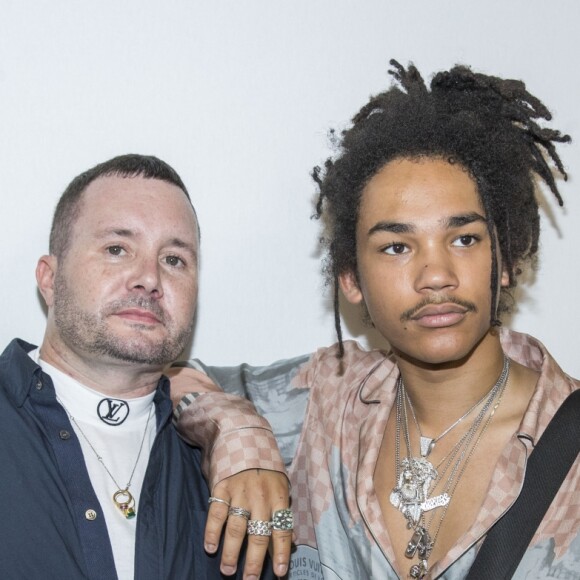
[(239, 96)]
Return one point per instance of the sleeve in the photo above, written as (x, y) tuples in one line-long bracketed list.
[(226, 425)]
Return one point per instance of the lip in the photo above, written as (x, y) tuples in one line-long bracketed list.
[(139, 315), (440, 315)]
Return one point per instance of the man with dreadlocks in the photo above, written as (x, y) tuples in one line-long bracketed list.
[(407, 459)]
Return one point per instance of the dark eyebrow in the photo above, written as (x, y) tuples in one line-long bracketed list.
[(458, 221), (393, 227), (121, 232), (455, 221), (179, 243)]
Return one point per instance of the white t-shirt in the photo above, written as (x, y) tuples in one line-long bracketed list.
[(115, 429)]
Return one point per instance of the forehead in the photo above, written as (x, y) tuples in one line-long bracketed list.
[(415, 190), (140, 204)]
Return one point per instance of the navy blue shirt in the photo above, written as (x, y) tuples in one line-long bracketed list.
[(48, 527)]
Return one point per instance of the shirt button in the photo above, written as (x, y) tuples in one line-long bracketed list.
[(91, 515), (64, 434), (38, 385)]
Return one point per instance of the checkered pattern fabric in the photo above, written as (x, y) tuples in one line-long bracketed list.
[(233, 435), (336, 509), (343, 418)]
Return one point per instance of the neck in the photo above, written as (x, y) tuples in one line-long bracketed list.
[(110, 377), (441, 393)]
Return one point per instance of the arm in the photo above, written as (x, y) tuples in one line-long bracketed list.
[(239, 446)]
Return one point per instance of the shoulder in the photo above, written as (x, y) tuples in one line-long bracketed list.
[(328, 369), (553, 385), (530, 352), (17, 370)]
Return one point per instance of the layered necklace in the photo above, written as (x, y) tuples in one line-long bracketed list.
[(417, 477), (122, 497)]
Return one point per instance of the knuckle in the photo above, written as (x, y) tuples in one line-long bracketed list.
[(259, 541), (215, 517), (254, 562), (236, 531), (212, 538), (252, 568), (229, 558), (282, 535)]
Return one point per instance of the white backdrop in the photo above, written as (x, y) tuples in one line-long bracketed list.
[(238, 97)]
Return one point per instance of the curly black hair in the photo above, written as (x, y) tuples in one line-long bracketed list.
[(485, 124)]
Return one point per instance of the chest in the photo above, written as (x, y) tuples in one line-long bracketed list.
[(434, 508)]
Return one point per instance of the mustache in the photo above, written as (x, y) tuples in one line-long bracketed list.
[(434, 301), (141, 302)]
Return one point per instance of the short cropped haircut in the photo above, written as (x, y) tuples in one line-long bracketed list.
[(69, 204), (484, 123)]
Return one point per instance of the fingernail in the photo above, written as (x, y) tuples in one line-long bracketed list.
[(281, 569), (228, 570), (253, 577), (210, 548)]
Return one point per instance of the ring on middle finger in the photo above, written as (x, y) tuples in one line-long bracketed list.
[(259, 528), (238, 511)]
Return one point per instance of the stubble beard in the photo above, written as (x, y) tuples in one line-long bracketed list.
[(90, 332)]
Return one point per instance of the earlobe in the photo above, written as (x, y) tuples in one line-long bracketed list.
[(350, 288), (45, 273)]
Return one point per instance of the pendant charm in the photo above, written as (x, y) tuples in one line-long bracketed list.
[(418, 570), (420, 544), (435, 502), (125, 503), (416, 475), (427, 445)]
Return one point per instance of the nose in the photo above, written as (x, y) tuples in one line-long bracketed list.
[(435, 271), (145, 276)]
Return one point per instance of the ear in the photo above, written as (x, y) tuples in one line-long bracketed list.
[(45, 273), (350, 288)]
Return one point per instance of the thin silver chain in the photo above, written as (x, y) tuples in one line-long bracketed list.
[(464, 416), (468, 435), (465, 447), (100, 458), (401, 419), (453, 486)]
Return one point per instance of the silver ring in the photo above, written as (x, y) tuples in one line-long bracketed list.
[(218, 500), (238, 511), (259, 528), (283, 520)]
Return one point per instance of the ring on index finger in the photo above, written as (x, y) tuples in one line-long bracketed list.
[(282, 520), (212, 499), (238, 511)]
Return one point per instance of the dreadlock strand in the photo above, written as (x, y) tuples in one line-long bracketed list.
[(337, 322)]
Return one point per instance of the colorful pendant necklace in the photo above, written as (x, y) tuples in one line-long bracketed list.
[(122, 497)]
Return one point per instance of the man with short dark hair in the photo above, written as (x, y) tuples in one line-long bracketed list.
[(95, 481)]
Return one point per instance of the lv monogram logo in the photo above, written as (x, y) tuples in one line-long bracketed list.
[(113, 411)]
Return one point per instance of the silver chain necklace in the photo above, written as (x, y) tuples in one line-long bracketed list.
[(122, 497), (415, 475), (428, 443)]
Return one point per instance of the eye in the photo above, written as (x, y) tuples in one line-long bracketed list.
[(115, 250), (466, 241), (174, 261), (395, 249)]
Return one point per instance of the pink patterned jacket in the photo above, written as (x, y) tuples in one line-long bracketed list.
[(329, 427)]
